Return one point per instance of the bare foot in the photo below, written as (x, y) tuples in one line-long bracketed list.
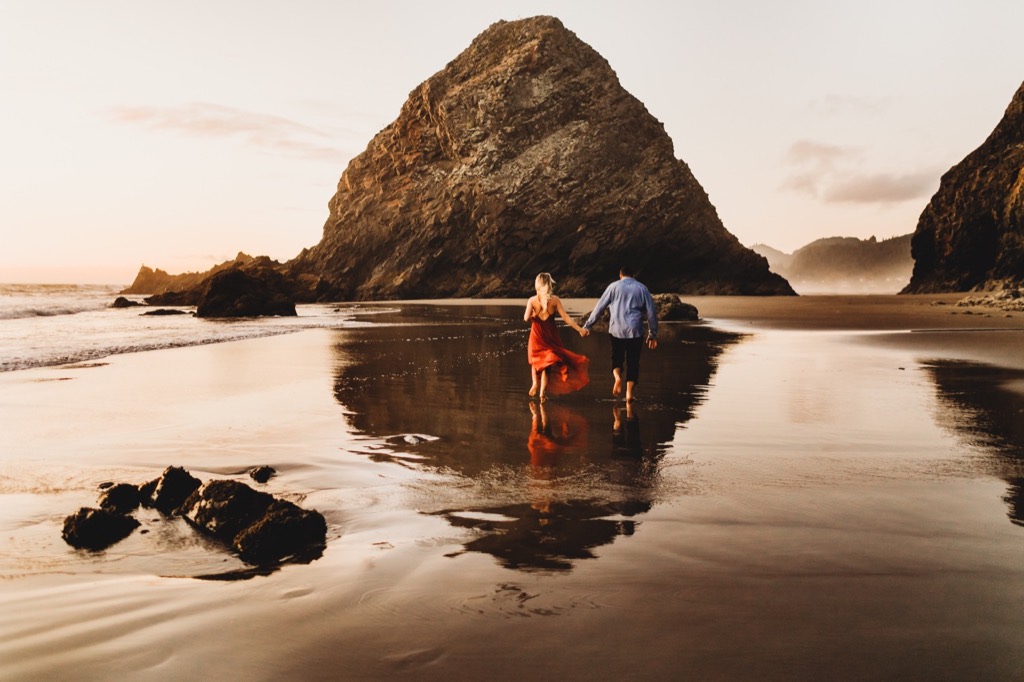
[(543, 398), (533, 390), (617, 387)]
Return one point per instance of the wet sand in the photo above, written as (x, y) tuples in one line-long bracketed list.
[(822, 487)]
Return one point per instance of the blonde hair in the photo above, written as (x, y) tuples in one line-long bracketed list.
[(545, 286)]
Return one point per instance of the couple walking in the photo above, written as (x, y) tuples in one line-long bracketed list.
[(557, 370)]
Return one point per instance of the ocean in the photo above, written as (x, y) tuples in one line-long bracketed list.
[(58, 324)]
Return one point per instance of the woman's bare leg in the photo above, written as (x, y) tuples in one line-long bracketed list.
[(533, 377), (543, 385)]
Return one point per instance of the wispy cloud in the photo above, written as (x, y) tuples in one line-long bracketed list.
[(882, 188), (832, 174), (273, 133)]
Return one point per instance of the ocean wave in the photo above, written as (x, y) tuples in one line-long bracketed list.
[(23, 301), (46, 311), (48, 341)]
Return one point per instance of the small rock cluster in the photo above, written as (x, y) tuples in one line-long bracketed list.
[(259, 527), (1009, 300)]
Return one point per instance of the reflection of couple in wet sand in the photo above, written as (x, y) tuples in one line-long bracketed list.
[(556, 370)]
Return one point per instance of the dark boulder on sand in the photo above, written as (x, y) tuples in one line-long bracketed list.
[(284, 530), (262, 474), (122, 498), (170, 490), (165, 311), (261, 528), (670, 308), (122, 302), (97, 529), (246, 293)]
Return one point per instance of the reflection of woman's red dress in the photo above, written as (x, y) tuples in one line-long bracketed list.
[(568, 370)]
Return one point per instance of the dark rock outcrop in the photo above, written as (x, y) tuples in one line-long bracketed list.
[(971, 234), (259, 527), (165, 311), (525, 154), (122, 302), (122, 498), (170, 490), (262, 474), (97, 529), (671, 308), (259, 286), (246, 293)]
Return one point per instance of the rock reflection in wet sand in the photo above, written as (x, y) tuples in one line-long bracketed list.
[(975, 404)]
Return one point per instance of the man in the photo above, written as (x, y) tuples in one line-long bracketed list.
[(629, 303)]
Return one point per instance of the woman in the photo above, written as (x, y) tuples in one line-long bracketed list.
[(553, 368)]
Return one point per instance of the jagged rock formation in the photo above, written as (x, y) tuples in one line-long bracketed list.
[(150, 281), (971, 234), (259, 286), (523, 155), (844, 264)]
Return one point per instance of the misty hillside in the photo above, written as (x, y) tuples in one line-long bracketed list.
[(844, 265)]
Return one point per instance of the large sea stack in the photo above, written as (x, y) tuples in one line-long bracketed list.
[(525, 154), (971, 234)]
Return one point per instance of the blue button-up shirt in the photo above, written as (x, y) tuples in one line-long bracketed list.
[(629, 302)]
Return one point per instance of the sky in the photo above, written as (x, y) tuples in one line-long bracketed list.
[(177, 134)]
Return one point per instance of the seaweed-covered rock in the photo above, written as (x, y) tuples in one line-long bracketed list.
[(168, 492), (97, 529), (121, 498)]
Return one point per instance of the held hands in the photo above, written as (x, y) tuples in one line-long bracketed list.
[(652, 343), (584, 332)]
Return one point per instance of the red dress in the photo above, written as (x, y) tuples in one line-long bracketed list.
[(545, 350)]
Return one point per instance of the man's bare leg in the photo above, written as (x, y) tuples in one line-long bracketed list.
[(617, 386), (629, 391)]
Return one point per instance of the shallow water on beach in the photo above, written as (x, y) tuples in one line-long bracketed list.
[(777, 504)]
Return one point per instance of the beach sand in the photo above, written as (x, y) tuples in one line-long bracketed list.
[(807, 488)]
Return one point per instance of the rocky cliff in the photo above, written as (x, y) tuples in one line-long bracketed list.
[(525, 154), (971, 234)]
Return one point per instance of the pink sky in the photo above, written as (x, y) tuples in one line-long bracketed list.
[(177, 134)]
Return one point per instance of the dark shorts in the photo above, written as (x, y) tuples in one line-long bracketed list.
[(627, 351)]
